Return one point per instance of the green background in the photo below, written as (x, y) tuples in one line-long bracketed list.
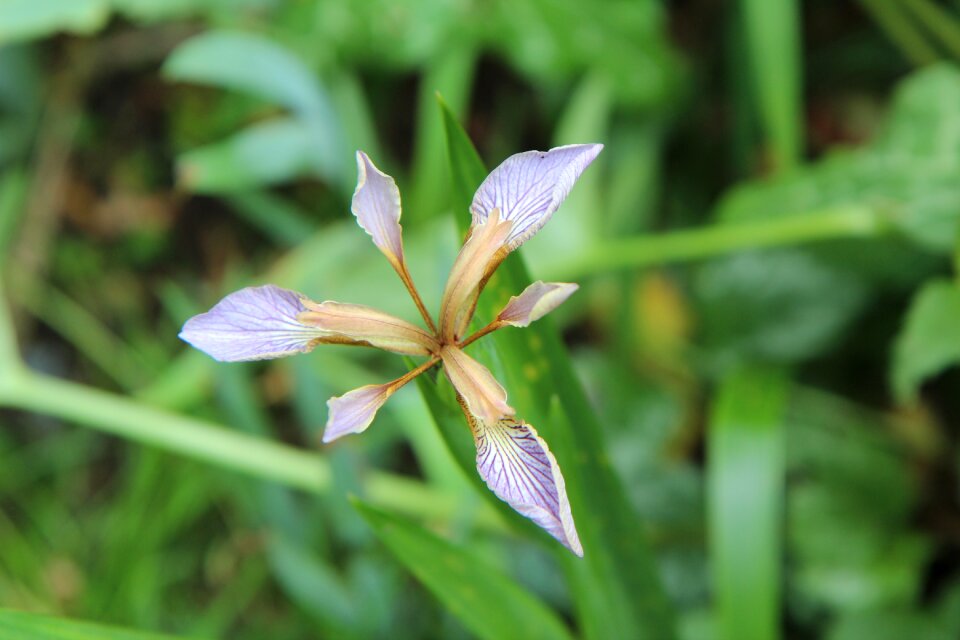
[(752, 396)]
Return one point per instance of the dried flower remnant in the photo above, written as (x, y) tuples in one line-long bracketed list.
[(512, 204)]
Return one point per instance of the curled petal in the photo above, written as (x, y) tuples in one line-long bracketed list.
[(376, 204), (256, 323), (483, 395), (528, 187), (359, 324), (480, 254), (354, 411), (519, 468), (536, 301)]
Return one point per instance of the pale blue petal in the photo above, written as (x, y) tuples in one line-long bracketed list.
[(528, 187), (256, 323)]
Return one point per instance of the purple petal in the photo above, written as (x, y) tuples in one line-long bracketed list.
[(519, 468), (528, 187), (256, 323), (354, 411), (376, 204), (536, 301)]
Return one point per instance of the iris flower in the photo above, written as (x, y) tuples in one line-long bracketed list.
[(510, 206)]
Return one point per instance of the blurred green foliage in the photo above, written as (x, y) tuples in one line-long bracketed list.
[(753, 396)]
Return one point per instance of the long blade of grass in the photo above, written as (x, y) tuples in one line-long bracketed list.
[(938, 22), (772, 29), (617, 573), (486, 601), (32, 626), (745, 484), (901, 30), (214, 444)]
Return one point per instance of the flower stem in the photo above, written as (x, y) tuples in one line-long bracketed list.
[(692, 244), (413, 373), (404, 274), (490, 328)]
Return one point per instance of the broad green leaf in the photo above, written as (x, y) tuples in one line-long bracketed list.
[(258, 66), (778, 305), (534, 366), (32, 626), (485, 600), (929, 341), (260, 155), (29, 19), (548, 40), (156, 10), (248, 63), (746, 486), (851, 481), (911, 171)]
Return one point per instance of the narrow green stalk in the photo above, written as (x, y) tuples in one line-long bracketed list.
[(901, 32), (938, 22), (771, 29), (215, 444), (10, 364), (851, 221), (745, 501)]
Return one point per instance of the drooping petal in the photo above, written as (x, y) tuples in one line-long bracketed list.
[(256, 323), (484, 396), (360, 324), (467, 276), (376, 204), (519, 468), (536, 301), (528, 187), (354, 411)]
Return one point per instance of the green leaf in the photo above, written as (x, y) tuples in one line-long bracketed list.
[(930, 339), (248, 63), (612, 602), (258, 66), (28, 19), (32, 626), (911, 171), (851, 480), (485, 600), (745, 483), (263, 154), (779, 305)]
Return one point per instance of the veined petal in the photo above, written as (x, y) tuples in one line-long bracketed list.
[(376, 204), (536, 301), (483, 248), (256, 323), (528, 187), (483, 395), (519, 468), (360, 324), (354, 411)]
